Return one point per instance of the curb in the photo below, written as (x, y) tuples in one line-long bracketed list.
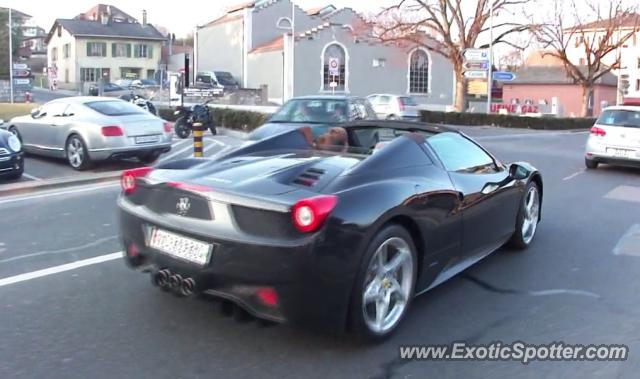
[(42, 185)]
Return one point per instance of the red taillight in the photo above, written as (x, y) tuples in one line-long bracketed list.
[(267, 296), (129, 177), (400, 104), (598, 131), (309, 214), (112, 131), (167, 127)]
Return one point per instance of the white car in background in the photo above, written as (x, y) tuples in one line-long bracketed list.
[(615, 138), (394, 107)]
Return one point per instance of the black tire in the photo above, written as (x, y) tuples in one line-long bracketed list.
[(393, 117), (591, 164), (519, 240), (74, 146), (150, 157), (181, 128), (357, 319), (13, 130)]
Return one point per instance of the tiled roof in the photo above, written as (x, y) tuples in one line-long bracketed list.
[(273, 45), (628, 21), (86, 28)]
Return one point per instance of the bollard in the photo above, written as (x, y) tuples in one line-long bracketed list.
[(197, 139)]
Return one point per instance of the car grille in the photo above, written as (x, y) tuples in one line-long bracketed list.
[(264, 223), (4, 151)]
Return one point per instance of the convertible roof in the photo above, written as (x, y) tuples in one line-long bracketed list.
[(400, 125)]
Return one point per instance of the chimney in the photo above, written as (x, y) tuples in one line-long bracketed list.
[(144, 18)]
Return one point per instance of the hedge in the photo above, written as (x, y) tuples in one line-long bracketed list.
[(505, 121), (227, 118)]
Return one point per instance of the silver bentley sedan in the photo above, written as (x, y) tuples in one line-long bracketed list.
[(87, 129)]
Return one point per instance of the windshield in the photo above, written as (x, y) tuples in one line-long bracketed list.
[(225, 78), (321, 111), (115, 108), (620, 117)]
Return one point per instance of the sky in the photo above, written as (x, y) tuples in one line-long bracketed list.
[(178, 19)]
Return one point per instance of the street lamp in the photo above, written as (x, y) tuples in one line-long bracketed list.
[(490, 76)]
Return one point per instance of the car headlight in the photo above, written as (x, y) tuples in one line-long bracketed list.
[(14, 143)]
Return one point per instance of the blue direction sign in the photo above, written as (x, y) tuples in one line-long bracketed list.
[(504, 76)]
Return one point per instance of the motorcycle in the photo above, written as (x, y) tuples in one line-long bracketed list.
[(141, 102), (189, 115)]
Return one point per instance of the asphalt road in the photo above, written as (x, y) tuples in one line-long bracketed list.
[(38, 168), (42, 96), (105, 321)]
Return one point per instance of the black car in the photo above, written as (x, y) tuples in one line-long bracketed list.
[(11, 156), (333, 236), (319, 112)]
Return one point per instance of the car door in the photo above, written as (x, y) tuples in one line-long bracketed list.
[(489, 198), (37, 132), (55, 136)]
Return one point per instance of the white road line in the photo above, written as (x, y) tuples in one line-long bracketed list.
[(175, 154), (57, 193), (58, 269), (30, 176), (574, 175)]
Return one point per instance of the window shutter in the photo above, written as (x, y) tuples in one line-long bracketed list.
[(136, 51), (88, 49), (104, 49), (128, 50), (150, 53), (113, 50)]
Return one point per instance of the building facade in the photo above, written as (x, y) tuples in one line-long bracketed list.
[(110, 46), (629, 53), (327, 53)]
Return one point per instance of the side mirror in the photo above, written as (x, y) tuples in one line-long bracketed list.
[(35, 113), (518, 172)]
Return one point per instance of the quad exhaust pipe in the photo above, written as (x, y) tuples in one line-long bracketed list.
[(175, 283)]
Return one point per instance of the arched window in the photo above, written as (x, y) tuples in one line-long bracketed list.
[(419, 72), (334, 68)]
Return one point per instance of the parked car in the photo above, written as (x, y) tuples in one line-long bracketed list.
[(11, 156), (216, 79), (322, 112), (615, 138), (109, 89), (88, 129), (144, 84), (124, 83), (329, 235), (394, 107)]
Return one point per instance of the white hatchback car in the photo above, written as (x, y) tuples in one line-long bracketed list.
[(615, 138), (394, 107)]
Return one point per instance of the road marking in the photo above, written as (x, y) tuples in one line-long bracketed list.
[(183, 150), (94, 243), (221, 152), (624, 193), (30, 176), (629, 244), (57, 193), (58, 269), (574, 175)]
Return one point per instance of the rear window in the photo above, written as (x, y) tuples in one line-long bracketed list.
[(115, 108), (408, 101), (620, 117)]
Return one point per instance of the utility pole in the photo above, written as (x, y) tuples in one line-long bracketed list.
[(490, 76), (10, 56)]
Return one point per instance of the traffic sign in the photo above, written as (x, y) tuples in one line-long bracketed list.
[(476, 66), (20, 66), (481, 55), (504, 76), (475, 74), (334, 66)]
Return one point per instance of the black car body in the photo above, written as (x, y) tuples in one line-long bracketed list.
[(247, 207), (324, 112), (11, 156)]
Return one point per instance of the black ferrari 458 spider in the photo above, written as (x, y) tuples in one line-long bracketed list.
[(343, 231)]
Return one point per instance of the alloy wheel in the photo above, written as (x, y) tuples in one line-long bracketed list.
[(75, 152), (531, 214)]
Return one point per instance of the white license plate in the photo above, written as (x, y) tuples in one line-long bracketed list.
[(147, 139), (180, 247), (620, 153)]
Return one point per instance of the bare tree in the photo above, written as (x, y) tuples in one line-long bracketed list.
[(452, 26), (589, 40)]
